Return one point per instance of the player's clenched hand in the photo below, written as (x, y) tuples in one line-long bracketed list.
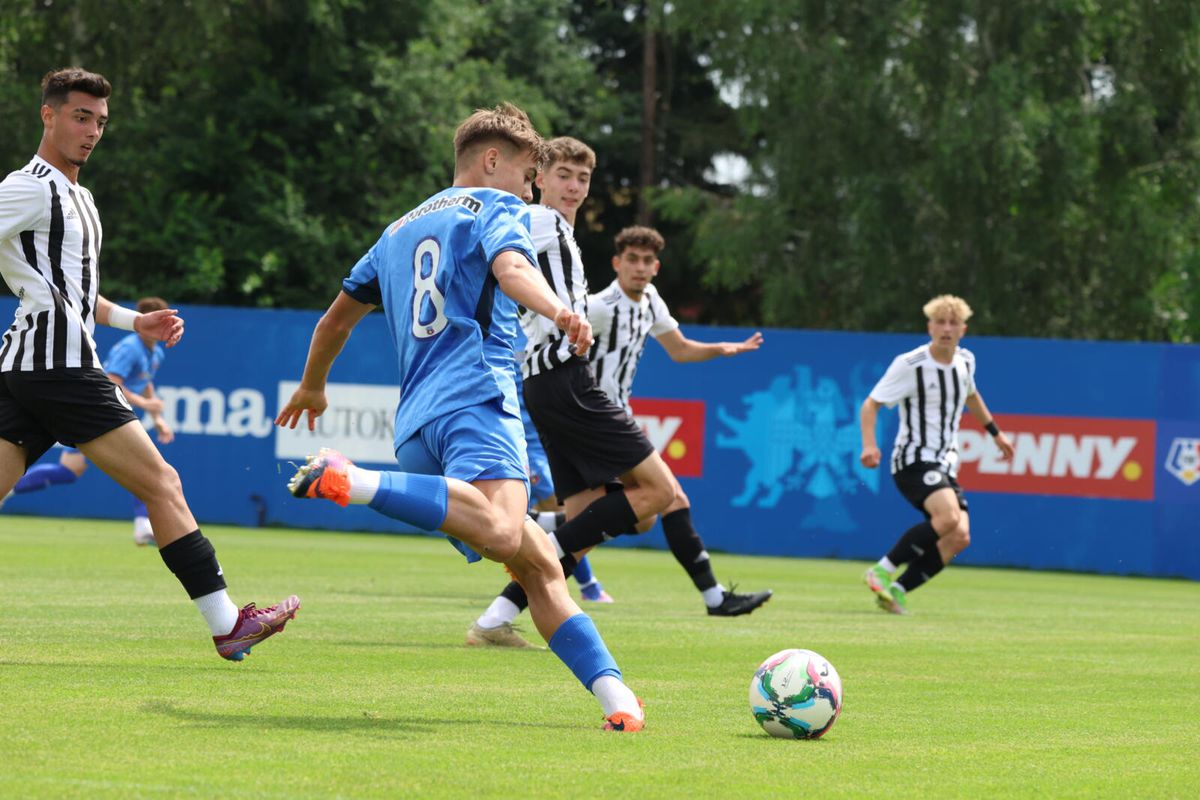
[(310, 400), (165, 325), (577, 328), (870, 457)]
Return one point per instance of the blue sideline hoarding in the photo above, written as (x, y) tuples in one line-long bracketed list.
[(766, 444)]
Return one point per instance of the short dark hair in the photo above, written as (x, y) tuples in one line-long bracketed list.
[(59, 83), (148, 304), (639, 236)]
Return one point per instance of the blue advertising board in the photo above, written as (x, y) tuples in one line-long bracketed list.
[(766, 445)]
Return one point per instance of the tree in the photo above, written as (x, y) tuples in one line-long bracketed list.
[(1037, 157)]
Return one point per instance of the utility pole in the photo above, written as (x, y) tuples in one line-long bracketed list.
[(649, 109)]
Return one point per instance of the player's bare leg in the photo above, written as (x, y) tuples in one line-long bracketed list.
[(12, 465), (127, 455)]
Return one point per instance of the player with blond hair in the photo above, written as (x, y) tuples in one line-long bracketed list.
[(447, 274), (931, 385)]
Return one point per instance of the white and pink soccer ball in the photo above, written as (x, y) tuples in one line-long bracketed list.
[(796, 694)]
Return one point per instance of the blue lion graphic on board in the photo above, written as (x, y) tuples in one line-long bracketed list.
[(801, 434)]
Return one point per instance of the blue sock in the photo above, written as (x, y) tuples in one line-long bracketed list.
[(583, 572), (40, 476), (139, 508), (577, 643), (419, 500)]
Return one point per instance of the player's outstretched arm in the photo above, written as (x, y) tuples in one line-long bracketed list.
[(685, 350), (164, 325), (980, 410), (867, 416), (521, 281), (328, 339)]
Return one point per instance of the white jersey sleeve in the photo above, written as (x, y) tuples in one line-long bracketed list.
[(22, 204), (662, 321), (969, 362), (896, 384), (541, 227), (601, 316)]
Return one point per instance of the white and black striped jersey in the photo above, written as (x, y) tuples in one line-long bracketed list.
[(50, 239), (621, 326), (931, 397), (562, 266)]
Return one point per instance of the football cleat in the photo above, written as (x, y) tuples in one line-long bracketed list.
[(503, 635), (899, 602), (624, 722), (595, 593), (877, 580), (253, 626), (735, 605), (325, 475)]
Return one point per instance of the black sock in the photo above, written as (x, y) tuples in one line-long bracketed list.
[(516, 593), (609, 516), (915, 542), (922, 569), (194, 562), (688, 548)]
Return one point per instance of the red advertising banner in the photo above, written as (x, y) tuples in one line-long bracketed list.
[(1071, 456), (676, 429)]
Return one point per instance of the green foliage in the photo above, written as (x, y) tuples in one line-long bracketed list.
[(1037, 157), (1040, 158)]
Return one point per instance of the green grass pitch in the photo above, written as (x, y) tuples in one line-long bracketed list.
[(1001, 683)]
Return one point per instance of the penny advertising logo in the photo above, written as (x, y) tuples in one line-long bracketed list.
[(676, 429), (1069, 456)]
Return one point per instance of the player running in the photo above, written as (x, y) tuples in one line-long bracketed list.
[(52, 387), (931, 384)]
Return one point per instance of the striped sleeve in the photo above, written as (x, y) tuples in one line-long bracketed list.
[(22, 204)]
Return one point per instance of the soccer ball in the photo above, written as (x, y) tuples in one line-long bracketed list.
[(796, 694)]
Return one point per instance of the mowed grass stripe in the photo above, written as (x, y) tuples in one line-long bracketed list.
[(1001, 682)]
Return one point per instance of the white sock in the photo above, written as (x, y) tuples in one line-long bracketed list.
[(219, 612), (887, 564), (557, 547), (615, 696), (548, 520), (501, 610), (714, 597), (141, 528), (364, 483)]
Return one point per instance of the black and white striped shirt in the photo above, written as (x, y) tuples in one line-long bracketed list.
[(931, 397), (50, 239), (621, 326), (561, 265)]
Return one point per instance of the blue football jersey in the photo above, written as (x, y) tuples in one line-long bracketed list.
[(452, 326), (133, 363)]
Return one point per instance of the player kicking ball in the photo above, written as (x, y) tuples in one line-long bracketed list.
[(447, 274), (931, 384)]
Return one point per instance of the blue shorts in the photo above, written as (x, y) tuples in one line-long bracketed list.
[(477, 443)]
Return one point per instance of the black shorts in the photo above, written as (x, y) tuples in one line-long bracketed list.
[(917, 481), (589, 439), (71, 406)]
